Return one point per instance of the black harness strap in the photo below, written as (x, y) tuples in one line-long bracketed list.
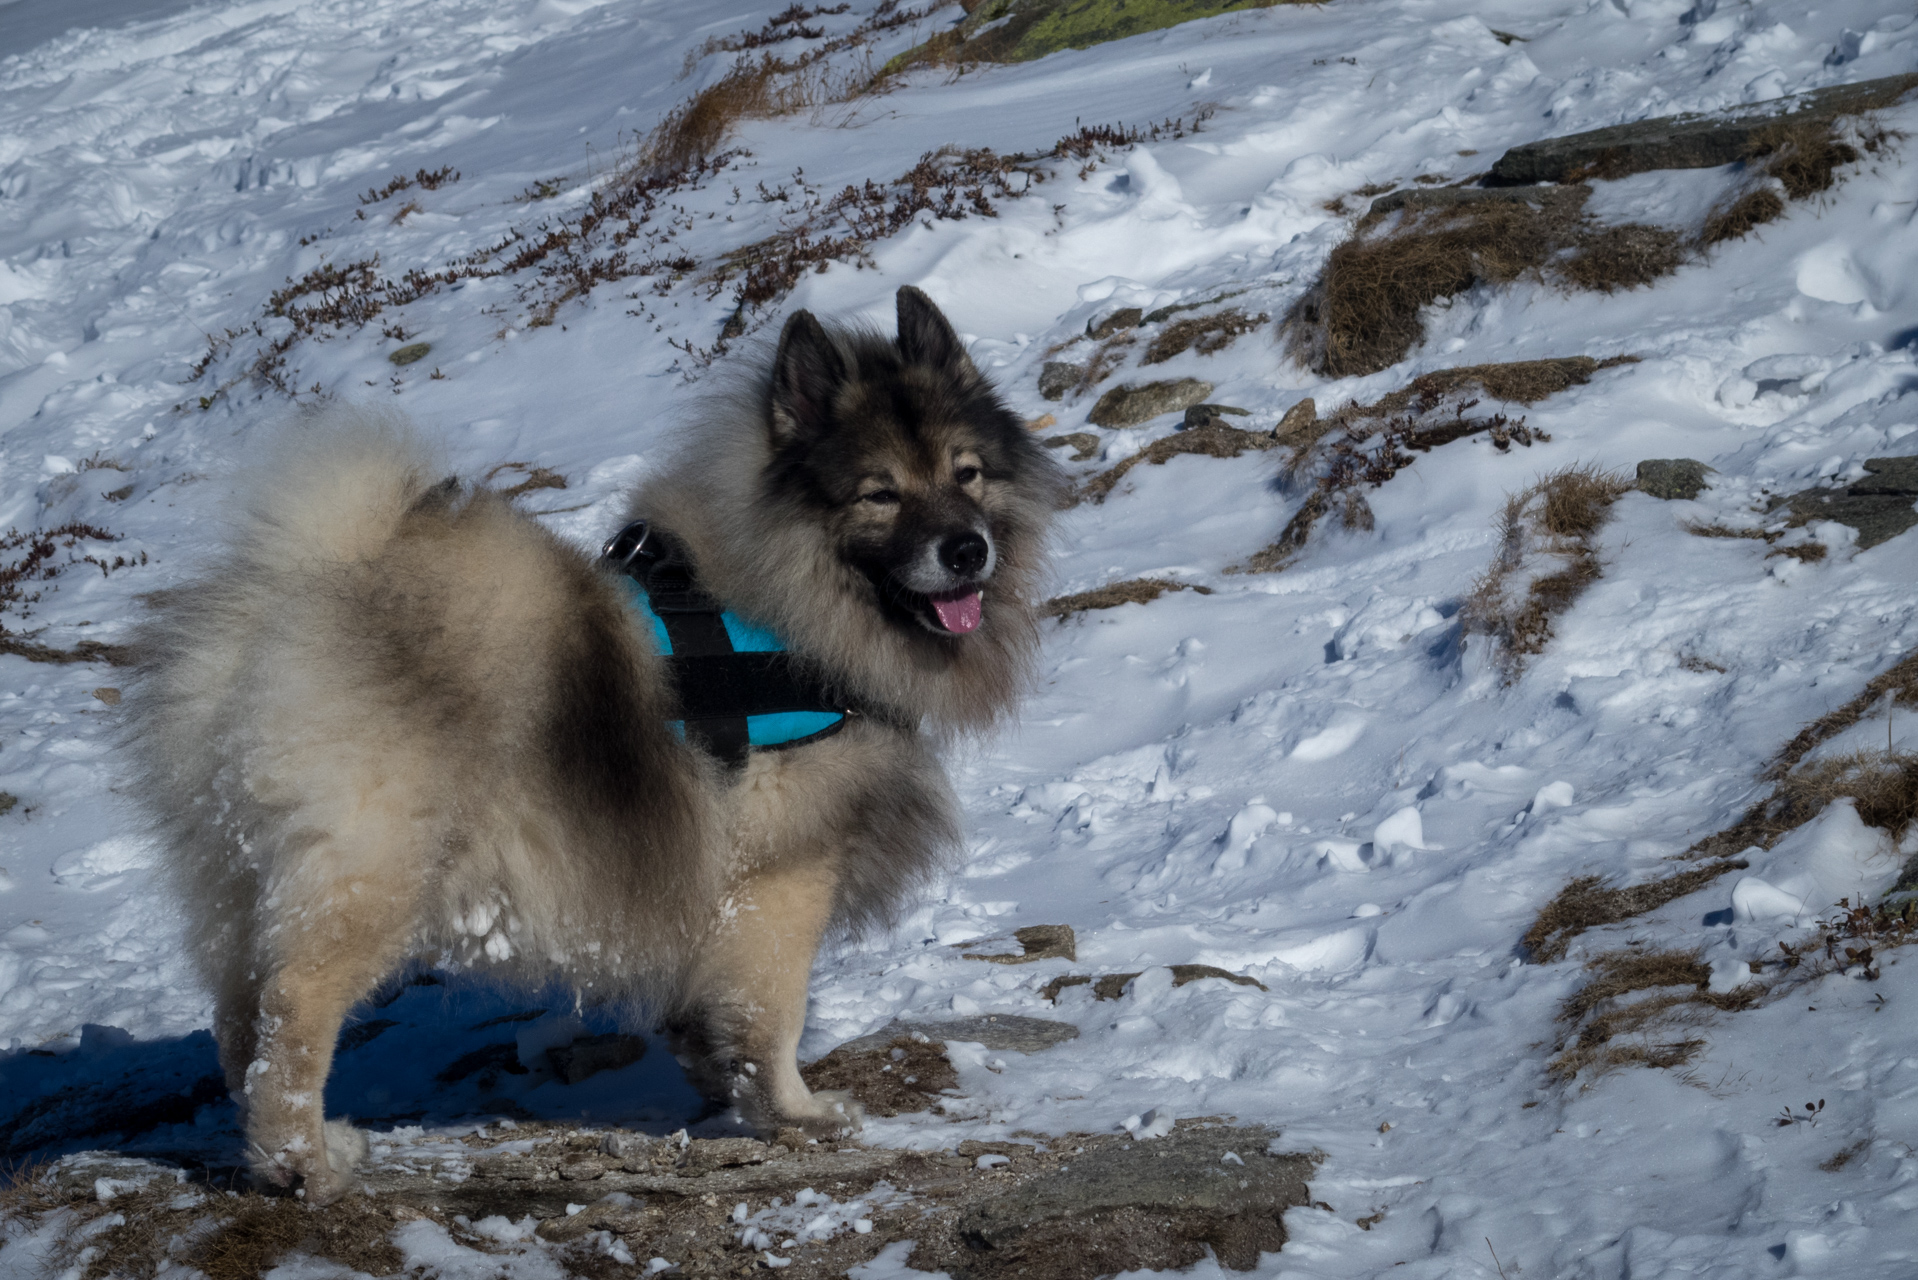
[(715, 687)]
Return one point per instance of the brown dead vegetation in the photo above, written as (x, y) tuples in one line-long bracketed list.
[(1554, 521), (1736, 220), (1605, 1015), (35, 559), (1586, 903), (1883, 785), (1114, 594), (1363, 315), (1206, 334), (1213, 441), (1899, 683), (425, 179), (1367, 451), (629, 230)]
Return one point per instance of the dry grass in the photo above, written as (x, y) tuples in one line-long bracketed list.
[(1114, 594), (1899, 683), (1586, 903), (1741, 216), (1214, 441), (1206, 334), (1883, 785), (1363, 315), (1554, 521), (1606, 1015)]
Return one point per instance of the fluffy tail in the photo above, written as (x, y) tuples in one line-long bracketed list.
[(332, 488)]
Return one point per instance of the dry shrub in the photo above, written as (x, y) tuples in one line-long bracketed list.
[(1364, 313), (1207, 333), (1753, 209), (1114, 594), (1900, 683), (754, 88), (1586, 903), (1214, 441), (1554, 520), (1601, 1006), (1803, 155)]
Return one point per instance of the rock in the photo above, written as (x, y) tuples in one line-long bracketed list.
[(996, 1031), (108, 695), (1038, 942), (410, 353), (590, 1055), (1298, 420), (1112, 985), (708, 1154), (1128, 406), (1084, 444), (1687, 141), (1114, 322), (1671, 478), (1056, 377), (1157, 1205), (581, 1168), (1888, 476), (1877, 517), (1211, 415), (621, 1145)]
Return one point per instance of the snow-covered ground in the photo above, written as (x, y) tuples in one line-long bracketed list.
[(1198, 780)]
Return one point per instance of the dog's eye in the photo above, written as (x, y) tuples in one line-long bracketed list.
[(881, 497), (966, 475)]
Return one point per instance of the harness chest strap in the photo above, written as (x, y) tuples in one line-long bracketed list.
[(735, 686)]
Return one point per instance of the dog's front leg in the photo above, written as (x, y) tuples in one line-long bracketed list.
[(750, 995)]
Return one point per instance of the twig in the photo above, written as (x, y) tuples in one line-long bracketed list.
[(1495, 1261)]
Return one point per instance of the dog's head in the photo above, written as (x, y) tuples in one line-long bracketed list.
[(925, 482)]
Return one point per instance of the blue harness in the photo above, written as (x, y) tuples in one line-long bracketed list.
[(735, 684)]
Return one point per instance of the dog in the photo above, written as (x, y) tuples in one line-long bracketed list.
[(398, 719)]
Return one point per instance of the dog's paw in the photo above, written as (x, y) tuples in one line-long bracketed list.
[(324, 1174), (345, 1146), (832, 1114)]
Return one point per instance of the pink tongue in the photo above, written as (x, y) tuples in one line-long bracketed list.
[(959, 614)]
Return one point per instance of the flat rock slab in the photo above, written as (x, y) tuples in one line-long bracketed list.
[(1879, 507), (1420, 198), (1036, 942), (996, 1031), (1069, 1207), (1159, 1204), (1128, 406), (1685, 141)]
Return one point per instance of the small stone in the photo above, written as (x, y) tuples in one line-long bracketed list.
[(590, 1055), (1298, 420), (1044, 422), (1114, 322), (1128, 406), (1037, 942), (108, 695), (621, 1145), (1670, 478), (581, 1168), (708, 1154), (1210, 415), (1056, 377), (1084, 444), (410, 353)]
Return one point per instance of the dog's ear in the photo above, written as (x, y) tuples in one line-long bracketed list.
[(807, 373), (926, 337)]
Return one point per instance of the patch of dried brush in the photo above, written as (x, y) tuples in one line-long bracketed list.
[(1213, 441), (1371, 443), (1363, 314), (1602, 1013), (1555, 523), (1114, 594)]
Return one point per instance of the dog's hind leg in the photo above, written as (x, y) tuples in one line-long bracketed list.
[(750, 993), (332, 939)]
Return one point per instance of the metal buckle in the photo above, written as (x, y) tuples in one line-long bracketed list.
[(637, 531)]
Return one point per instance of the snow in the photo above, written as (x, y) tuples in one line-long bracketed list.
[(1303, 777)]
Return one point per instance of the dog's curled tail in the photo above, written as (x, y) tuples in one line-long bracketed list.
[(332, 488)]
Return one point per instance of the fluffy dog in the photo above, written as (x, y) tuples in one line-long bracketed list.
[(398, 719)]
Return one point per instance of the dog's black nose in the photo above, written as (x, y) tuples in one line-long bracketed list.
[(963, 553)]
